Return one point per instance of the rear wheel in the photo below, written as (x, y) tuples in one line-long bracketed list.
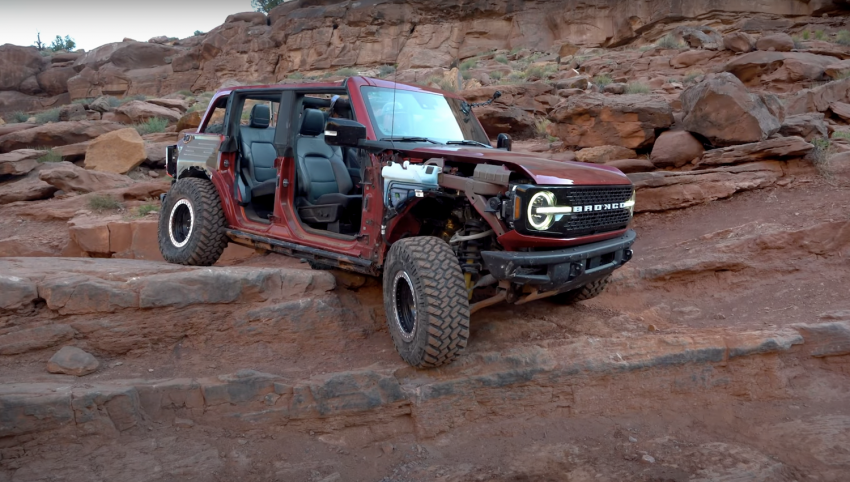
[(192, 223), (586, 292), (426, 302)]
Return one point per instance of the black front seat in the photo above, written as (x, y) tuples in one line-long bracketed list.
[(322, 176), (258, 155)]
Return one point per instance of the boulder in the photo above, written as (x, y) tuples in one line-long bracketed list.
[(57, 134), (692, 57), (818, 99), (580, 82), (603, 154), (190, 120), (723, 111), (140, 111), (26, 188), (740, 42), (72, 112), (18, 64), (700, 37), (617, 88), (774, 105), (18, 126), (840, 109), (158, 40), (756, 67), (782, 148), (101, 104), (175, 104), (807, 126), (498, 119), (69, 177), (155, 153), (838, 70), (629, 166), (54, 81), (24, 246), (253, 18), (595, 119), (20, 162), (664, 190), (118, 151), (675, 149), (70, 360), (778, 42)]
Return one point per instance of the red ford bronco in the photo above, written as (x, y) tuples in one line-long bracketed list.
[(398, 181)]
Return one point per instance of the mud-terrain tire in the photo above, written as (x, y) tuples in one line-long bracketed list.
[(426, 302), (192, 223), (586, 292)]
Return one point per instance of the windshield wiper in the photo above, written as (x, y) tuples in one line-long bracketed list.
[(411, 139), (470, 142)]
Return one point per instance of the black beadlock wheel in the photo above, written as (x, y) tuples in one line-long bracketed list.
[(192, 224), (426, 302), (586, 292)]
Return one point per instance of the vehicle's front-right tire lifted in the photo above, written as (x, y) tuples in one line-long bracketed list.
[(426, 301)]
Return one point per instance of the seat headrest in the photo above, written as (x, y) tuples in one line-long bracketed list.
[(260, 116), (313, 123)]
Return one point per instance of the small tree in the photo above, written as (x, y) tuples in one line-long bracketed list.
[(38, 43), (63, 44), (266, 5)]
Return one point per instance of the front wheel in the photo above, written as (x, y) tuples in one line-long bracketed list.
[(583, 293), (426, 302), (192, 223)]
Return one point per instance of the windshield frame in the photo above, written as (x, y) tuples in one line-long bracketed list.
[(474, 130)]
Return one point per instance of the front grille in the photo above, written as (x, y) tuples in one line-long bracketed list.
[(593, 210), (597, 222), (584, 196)]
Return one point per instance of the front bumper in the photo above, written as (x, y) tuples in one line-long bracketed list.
[(564, 269)]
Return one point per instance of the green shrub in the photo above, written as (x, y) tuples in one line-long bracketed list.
[(841, 135), (186, 93), (501, 59), (17, 117), (467, 64), (798, 43), (385, 71), (63, 44), (295, 76), (345, 72), (101, 202), (516, 78), (152, 126), (198, 32), (820, 35), (692, 76), (806, 35), (51, 115), (497, 75), (602, 80), (540, 71), (843, 37), (82, 101), (669, 42), (49, 155), (637, 88), (146, 209)]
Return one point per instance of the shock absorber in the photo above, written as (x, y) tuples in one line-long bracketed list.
[(469, 252)]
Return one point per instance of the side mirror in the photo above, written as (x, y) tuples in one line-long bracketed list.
[(344, 133), (504, 142)]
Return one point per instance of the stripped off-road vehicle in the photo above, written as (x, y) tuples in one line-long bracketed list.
[(397, 181)]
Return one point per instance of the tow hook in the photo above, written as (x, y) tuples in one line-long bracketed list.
[(627, 255)]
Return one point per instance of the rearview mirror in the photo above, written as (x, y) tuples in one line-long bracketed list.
[(344, 133), (504, 142)]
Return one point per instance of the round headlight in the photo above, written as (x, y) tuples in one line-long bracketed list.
[(542, 199)]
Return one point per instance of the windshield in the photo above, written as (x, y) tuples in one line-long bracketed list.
[(420, 114)]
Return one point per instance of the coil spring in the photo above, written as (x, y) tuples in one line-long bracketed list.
[(469, 252)]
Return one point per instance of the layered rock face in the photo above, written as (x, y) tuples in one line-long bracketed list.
[(309, 35)]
